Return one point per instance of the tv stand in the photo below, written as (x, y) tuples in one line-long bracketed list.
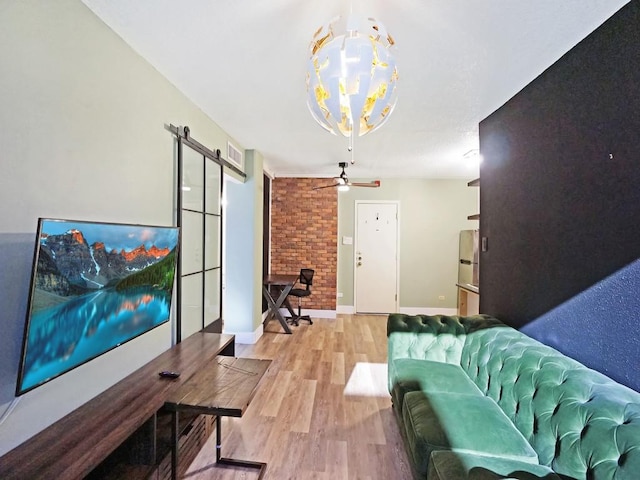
[(124, 432)]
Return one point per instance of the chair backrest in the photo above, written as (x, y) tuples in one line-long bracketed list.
[(306, 276)]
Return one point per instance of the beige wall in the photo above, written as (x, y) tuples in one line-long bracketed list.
[(82, 129), (432, 213)]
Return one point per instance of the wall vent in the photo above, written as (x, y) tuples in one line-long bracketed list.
[(234, 155)]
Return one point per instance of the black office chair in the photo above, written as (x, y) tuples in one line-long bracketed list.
[(306, 278)]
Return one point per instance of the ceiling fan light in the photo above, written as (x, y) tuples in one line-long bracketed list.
[(351, 76), (343, 188)]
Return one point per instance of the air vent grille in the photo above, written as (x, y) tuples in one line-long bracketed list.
[(234, 155)]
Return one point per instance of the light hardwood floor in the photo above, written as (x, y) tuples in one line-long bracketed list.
[(321, 412)]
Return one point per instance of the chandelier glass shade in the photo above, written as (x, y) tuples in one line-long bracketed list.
[(351, 76)]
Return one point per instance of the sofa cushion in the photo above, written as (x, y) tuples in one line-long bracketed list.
[(464, 423), (428, 376), (447, 465)]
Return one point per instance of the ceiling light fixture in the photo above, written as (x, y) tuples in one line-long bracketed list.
[(351, 76)]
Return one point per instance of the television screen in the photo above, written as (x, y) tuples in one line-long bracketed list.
[(94, 286)]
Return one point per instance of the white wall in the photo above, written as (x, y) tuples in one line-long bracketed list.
[(243, 250), (82, 129)]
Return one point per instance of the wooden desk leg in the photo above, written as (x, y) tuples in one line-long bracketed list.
[(270, 302), (220, 460), (174, 445), (274, 306)]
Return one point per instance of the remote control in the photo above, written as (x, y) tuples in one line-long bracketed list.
[(167, 374)]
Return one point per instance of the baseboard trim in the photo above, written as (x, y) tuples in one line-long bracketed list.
[(320, 313), (351, 310), (312, 313), (346, 309), (248, 338)]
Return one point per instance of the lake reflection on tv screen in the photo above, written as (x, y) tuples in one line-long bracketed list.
[(80, 329)]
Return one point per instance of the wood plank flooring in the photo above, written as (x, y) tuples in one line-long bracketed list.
[(321, 412)]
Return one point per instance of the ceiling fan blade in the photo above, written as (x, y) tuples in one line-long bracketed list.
[(373, 184), (343, 181), (327, 186)]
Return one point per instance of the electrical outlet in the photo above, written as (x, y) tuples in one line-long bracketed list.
[(440, 297), (339, 294)]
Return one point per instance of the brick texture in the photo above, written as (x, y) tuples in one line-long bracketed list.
[(304, 229)]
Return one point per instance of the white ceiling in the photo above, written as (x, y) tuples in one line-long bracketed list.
[(243, 62)]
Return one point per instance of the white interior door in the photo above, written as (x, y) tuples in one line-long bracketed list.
[(376, 261)]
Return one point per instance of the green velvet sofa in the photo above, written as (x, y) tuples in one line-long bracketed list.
[(476, 399)]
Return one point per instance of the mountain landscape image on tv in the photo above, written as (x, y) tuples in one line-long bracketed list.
[(94, 286)]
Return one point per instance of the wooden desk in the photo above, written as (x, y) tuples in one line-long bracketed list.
[(224, 388), (285, 283)]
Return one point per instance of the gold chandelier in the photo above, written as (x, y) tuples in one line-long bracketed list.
[(351, 76)]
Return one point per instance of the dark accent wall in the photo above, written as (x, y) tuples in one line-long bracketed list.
[(560, 202)]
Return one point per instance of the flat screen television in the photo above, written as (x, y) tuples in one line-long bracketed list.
[(94, 286)]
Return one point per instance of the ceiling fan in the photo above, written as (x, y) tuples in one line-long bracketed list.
[(343, 183)]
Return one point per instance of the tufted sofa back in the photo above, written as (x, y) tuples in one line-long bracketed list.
[(439, 338), (582, 424), (433, 337)]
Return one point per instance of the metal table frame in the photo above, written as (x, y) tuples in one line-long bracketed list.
[(224, 390)]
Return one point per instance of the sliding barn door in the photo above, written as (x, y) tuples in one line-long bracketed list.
[(200, 219)]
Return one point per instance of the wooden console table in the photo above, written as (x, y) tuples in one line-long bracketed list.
[(224, 388), (75, 445)]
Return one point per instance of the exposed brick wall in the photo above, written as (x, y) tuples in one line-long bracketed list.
[(304, 229)]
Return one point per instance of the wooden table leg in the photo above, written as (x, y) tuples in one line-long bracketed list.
[(274, 306), (270, 302)]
